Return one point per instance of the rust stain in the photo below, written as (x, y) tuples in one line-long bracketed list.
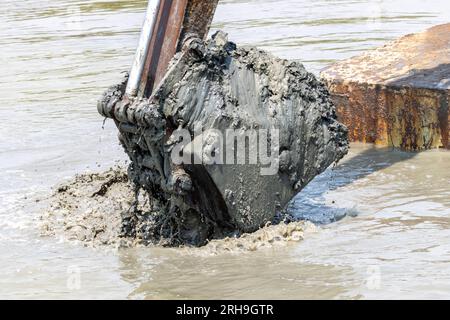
[(405, 118), (164, 42), (177, 19), (199, 15), (397, 95)]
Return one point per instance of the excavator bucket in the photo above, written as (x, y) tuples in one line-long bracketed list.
[(252, 130)]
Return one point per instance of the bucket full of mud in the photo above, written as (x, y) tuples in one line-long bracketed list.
[(228, 137)]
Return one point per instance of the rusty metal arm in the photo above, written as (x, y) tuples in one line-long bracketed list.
[(167, 25)]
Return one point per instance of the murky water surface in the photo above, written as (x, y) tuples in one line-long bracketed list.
[(391, 238)]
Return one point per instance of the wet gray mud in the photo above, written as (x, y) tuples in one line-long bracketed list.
[(102, 209), (90, 208), (215, 85)]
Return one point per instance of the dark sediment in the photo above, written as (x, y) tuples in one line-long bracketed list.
[(219, 86)]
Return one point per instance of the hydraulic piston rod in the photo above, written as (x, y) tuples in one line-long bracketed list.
[(148, 28)]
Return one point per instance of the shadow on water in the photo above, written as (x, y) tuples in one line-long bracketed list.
[(312, 205)]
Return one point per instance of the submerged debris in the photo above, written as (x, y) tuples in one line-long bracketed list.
[(215, 85)]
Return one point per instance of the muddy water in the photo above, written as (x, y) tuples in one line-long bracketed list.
[(392, 208)]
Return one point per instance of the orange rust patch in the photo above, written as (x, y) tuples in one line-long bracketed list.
[(177, 19), (397, 95)]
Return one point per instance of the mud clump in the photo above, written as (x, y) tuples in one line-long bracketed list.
[(89, 208), (107, 209), (270, 236), (215, 85), (100, 209)]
